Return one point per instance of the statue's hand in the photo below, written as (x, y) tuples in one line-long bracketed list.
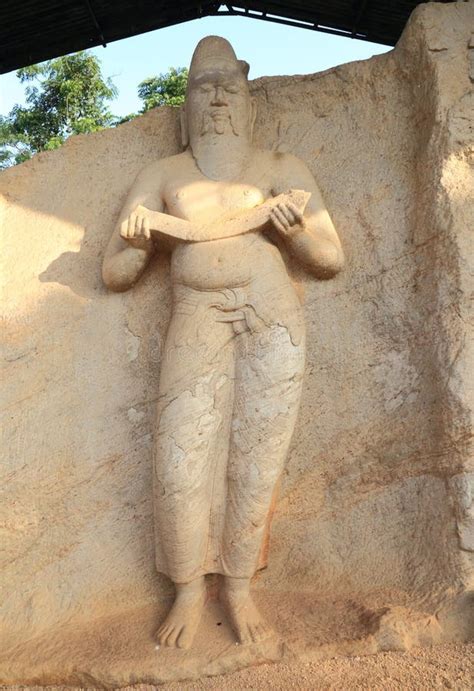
[(136, 230), (287, 219)]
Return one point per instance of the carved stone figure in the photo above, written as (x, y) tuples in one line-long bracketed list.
[(233, 363)]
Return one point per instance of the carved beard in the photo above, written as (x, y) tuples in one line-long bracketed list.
[(217, 125), (219, 148)]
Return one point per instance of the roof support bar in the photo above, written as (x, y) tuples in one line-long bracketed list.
[(239, 11), (96, 23), (360, 12)]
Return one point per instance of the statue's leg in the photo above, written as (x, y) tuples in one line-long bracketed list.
[(269, 375), (196, 385)]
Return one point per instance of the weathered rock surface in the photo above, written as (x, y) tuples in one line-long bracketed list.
[(372, 539)]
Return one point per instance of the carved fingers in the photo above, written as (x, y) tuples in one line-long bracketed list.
[(136, 230), (287, 218)]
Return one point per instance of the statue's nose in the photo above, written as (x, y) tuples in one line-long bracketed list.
[(219, 97)]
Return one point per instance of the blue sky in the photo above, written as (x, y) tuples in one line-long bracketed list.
[(269, 48)]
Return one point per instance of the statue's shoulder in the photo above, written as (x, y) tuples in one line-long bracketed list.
[(278, 158), (279, 162), (175, 160), (167, 165)]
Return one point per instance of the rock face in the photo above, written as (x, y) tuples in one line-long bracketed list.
[(373, 533)]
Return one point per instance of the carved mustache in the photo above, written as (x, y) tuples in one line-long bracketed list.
[(215, 121)]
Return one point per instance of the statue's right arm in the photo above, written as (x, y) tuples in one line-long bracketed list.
[(131, 247)]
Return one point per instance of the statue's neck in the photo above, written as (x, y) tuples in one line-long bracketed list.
[(221, 157)]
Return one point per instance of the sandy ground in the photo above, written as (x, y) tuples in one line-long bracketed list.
[(443, 667)]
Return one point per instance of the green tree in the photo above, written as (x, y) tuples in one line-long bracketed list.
[(168, 89), (64, 96)]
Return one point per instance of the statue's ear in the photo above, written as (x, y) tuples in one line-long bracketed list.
[(245, 67), (184, 126)]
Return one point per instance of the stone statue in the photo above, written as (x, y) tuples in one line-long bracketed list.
[(233, 363)]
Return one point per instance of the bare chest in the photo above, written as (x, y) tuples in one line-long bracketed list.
[(203, 201)]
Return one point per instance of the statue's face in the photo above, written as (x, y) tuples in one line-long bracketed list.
[(218, 103)]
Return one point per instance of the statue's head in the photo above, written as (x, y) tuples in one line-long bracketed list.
[(218, 100)]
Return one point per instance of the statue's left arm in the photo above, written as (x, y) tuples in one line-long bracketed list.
[(311, 237)]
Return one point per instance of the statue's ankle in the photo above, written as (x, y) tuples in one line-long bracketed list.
[(194, 587), (238, 587)]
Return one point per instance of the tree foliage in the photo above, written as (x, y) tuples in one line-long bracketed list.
[(68, 96), (64, 96), (168, 89)]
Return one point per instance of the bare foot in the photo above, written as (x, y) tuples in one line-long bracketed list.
[(244, 617), (181, 624)]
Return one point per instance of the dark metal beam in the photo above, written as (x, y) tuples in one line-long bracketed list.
[(96, 23), (300, 24)]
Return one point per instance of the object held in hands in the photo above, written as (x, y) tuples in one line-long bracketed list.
[(228, 226)]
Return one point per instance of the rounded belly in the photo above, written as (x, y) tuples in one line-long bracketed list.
[(225, 263)]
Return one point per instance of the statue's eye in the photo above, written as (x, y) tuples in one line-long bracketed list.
[(205, 88), (232, 88)]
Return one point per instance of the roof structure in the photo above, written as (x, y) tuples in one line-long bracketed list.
[(35, 30)]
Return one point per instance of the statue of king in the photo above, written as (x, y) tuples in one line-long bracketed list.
[(233, 362)]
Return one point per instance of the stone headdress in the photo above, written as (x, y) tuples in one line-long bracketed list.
[(211, 53), (215, 52)]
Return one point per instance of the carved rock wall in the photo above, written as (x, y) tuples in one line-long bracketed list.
[(374, 530)]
